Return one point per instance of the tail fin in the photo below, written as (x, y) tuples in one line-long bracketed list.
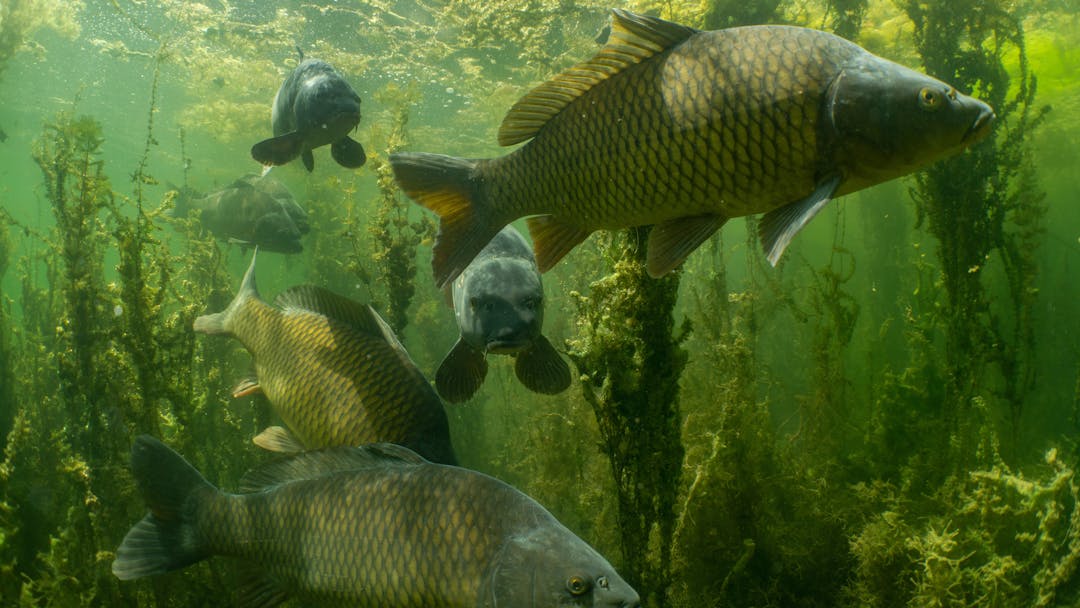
[(450, 187), (218, 322), (166, 539)]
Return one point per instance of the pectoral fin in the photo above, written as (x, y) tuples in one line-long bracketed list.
[(670, 242), (541, 369), (309, 160), (461, 372), (348, 153), (779, 226), (279, 150), (278, 439), (246, 387)]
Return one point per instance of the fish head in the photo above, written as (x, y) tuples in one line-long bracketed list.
[(553, 568), (326, 108), (887, 121), (499, 304), (276, 232)]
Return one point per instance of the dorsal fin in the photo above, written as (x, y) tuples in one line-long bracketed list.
[(325, 302), (319, 463), (634, 38)]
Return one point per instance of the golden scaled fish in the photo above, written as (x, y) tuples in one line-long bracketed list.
[(374, 526), (683, 129), (334, 372)]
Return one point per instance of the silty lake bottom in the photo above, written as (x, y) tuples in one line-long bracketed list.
[(888, 417)]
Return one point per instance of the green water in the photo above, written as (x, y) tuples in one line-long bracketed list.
[(845, 432)]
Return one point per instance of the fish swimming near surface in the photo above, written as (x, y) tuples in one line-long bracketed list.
[(314, 107), (367, 526), (334, 372), (683, 129), (252, 211), (499, 306)]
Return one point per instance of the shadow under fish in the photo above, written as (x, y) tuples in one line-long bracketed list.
[(499, 307), (314, 107), (365, 526), (252, 211), (334, 372)]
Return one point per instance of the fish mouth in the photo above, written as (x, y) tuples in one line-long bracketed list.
[(980, 128), (506, 347)]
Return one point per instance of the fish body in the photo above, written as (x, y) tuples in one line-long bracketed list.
[(253, 210), (499, 307), (314, 107), (373, 526), (683, 129), (334, 372)]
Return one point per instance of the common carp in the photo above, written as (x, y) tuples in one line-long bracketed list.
[(314, 107), (253, 210), (683, 129), (499, 307), (375, 526), (333, 370)]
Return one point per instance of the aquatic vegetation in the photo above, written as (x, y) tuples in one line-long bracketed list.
[(20, 18), (630, 357)]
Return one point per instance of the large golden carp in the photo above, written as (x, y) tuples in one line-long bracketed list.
[(683, 129), (376, 526), (333, 371)]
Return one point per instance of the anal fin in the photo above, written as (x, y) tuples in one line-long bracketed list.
[(553, 239), (779, 226), (257, 590), (671, 241)]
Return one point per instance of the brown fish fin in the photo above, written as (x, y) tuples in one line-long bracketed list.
[(541, 369), (320, 463), (461, 372), (257, 590), (218, 323), (278, 439), (451, 188), (246, 388), (553, 239), (348, 153), (779, 226), (671, 241), (633, 39), (168, 538), (278, 150)]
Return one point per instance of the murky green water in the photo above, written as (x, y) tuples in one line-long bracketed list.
[(888, 418)]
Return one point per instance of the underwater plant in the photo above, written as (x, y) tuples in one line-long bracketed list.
[(630, 358)]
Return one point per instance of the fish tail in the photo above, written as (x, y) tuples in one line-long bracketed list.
[(167, 538), (219, 322), (451, 188)]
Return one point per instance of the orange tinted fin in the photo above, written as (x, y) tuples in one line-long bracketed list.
[(451, 188), (670, 242), (541, 369), (246, 388), (552, 239), (278, 439)]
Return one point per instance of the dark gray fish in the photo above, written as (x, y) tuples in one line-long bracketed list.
[(314, 107), (499, 305), (370, 526), (253, 210)]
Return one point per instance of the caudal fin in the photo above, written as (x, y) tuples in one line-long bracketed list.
[(219, 322), (450, 187), (166, 539)]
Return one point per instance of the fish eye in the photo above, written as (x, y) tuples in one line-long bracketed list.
[(577, 585), (929, 99), (602, 582)]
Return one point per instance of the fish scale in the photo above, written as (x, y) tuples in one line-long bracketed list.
[(334, 372), (683, 129)]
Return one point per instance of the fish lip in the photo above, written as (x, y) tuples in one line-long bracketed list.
[(504, 347), (980, 128)]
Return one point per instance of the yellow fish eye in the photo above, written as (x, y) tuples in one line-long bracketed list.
[(929, 99), (577, 586)]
